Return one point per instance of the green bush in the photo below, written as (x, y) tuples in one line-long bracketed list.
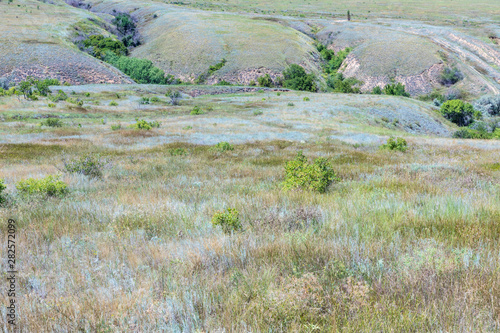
[(144, 125), (88, 165), (51, 105), (196, 111), (174, 96), (144, 100), (399, 144), (2, 189), (60, 96), (296, 78), (316, 176), (458, 112), (334, 61), (228, 220), (396, 89), (469, 133), (101, 45), (217, 66), (450, 76), (116, 127), (306, 99), (113, 103), (140, 70), (50, 185), (343, 85), (52, 122), (155, 99), (177, 152), (265, 81), (222, 147), (377, 90)]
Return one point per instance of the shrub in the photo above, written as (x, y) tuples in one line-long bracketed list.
[(144, 125), (228, 220), (488, 105), (144, 100), (334, 61), (2, 188), (222, 147), (177, 152), (377, 90), (469, 133), (306, 99), (113, 103), (343, 85), (301, 174), (140, 70), (60, 96), (216, 67), (450, 76), (88, 165), (459, 112), (99, 46), (399, 144), (290, 104), (51, 105), (296, 78), (252, 83), (265, 81), (196, 111), (52, 122), (116, 127), (224, 83), (396, 89), (155, 99), (50, 185), (258, 112), (174, 96)]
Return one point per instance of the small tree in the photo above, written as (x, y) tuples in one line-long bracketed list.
[(265, 81), (316, 176), (348, 15), (296, 78), (458, 112)]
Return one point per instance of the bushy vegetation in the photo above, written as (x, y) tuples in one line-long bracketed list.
[(177, 152), (90, 165), (265, 81), (126, 26), (2, 189), (450, 76), (196, 111), (333, 61), (469, 133), (315, 176), (140, 70), (343, 85), (222, 147), (458, 112), (228, 220), (398, 144), (212, 69), (396, 89), (175, 96), (32, 87), (60, 96), (50, 186), (98, 46), (52, 122), (142, 124), (488, 105), (296, 78), (377, 90)]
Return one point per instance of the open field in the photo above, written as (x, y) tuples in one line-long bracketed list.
[(403, 242)]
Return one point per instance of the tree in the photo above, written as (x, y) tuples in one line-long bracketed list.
[(458, 112), (396, 89), (348, 15), (296, 78), (265, 81)]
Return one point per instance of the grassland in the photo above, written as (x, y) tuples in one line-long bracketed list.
[(403, 242)]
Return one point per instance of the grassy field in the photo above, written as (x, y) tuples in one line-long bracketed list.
[(402, 242)]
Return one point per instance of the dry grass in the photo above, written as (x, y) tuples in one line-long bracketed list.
[(405, 242)]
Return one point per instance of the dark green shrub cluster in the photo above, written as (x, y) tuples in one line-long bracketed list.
[(127, 27), (177, 152), (60, 96), (142, 124), (216, 67), (222, 147), (52, 122), (196, 111), (333, 61), (343, 85), (265, 81), (98, 46), (396, 89), (174, 96), (316, 176), (450, 76), (2, 189), (469, 133), (32, 87), (228, 220), (50, 185), (296, 78), (399, 144), (90, 165), (460, 113)]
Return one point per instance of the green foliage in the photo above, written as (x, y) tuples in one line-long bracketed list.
[(459, 112), (469, 133), (177, 152), (113, 103), (265, 81), (124, 23), (116, 127), (343, 85), (60, 96), (296, 78), (216, 67), (306, 99), (333, 61), (316, 176), (140, 70), (174, 96), (32, 87), (399, 144), (450, 76), (154, 99), (144, 100), (222, 147), (196, 111), (258, 112), (52, 122), (51, 105), (2, 189), (90, 165), (396, 89), (224, 83), (377, 90), (50, 185), (228, 220), (488, 105), (101, 45), (142, 124), (290, 104), (252, 83)]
